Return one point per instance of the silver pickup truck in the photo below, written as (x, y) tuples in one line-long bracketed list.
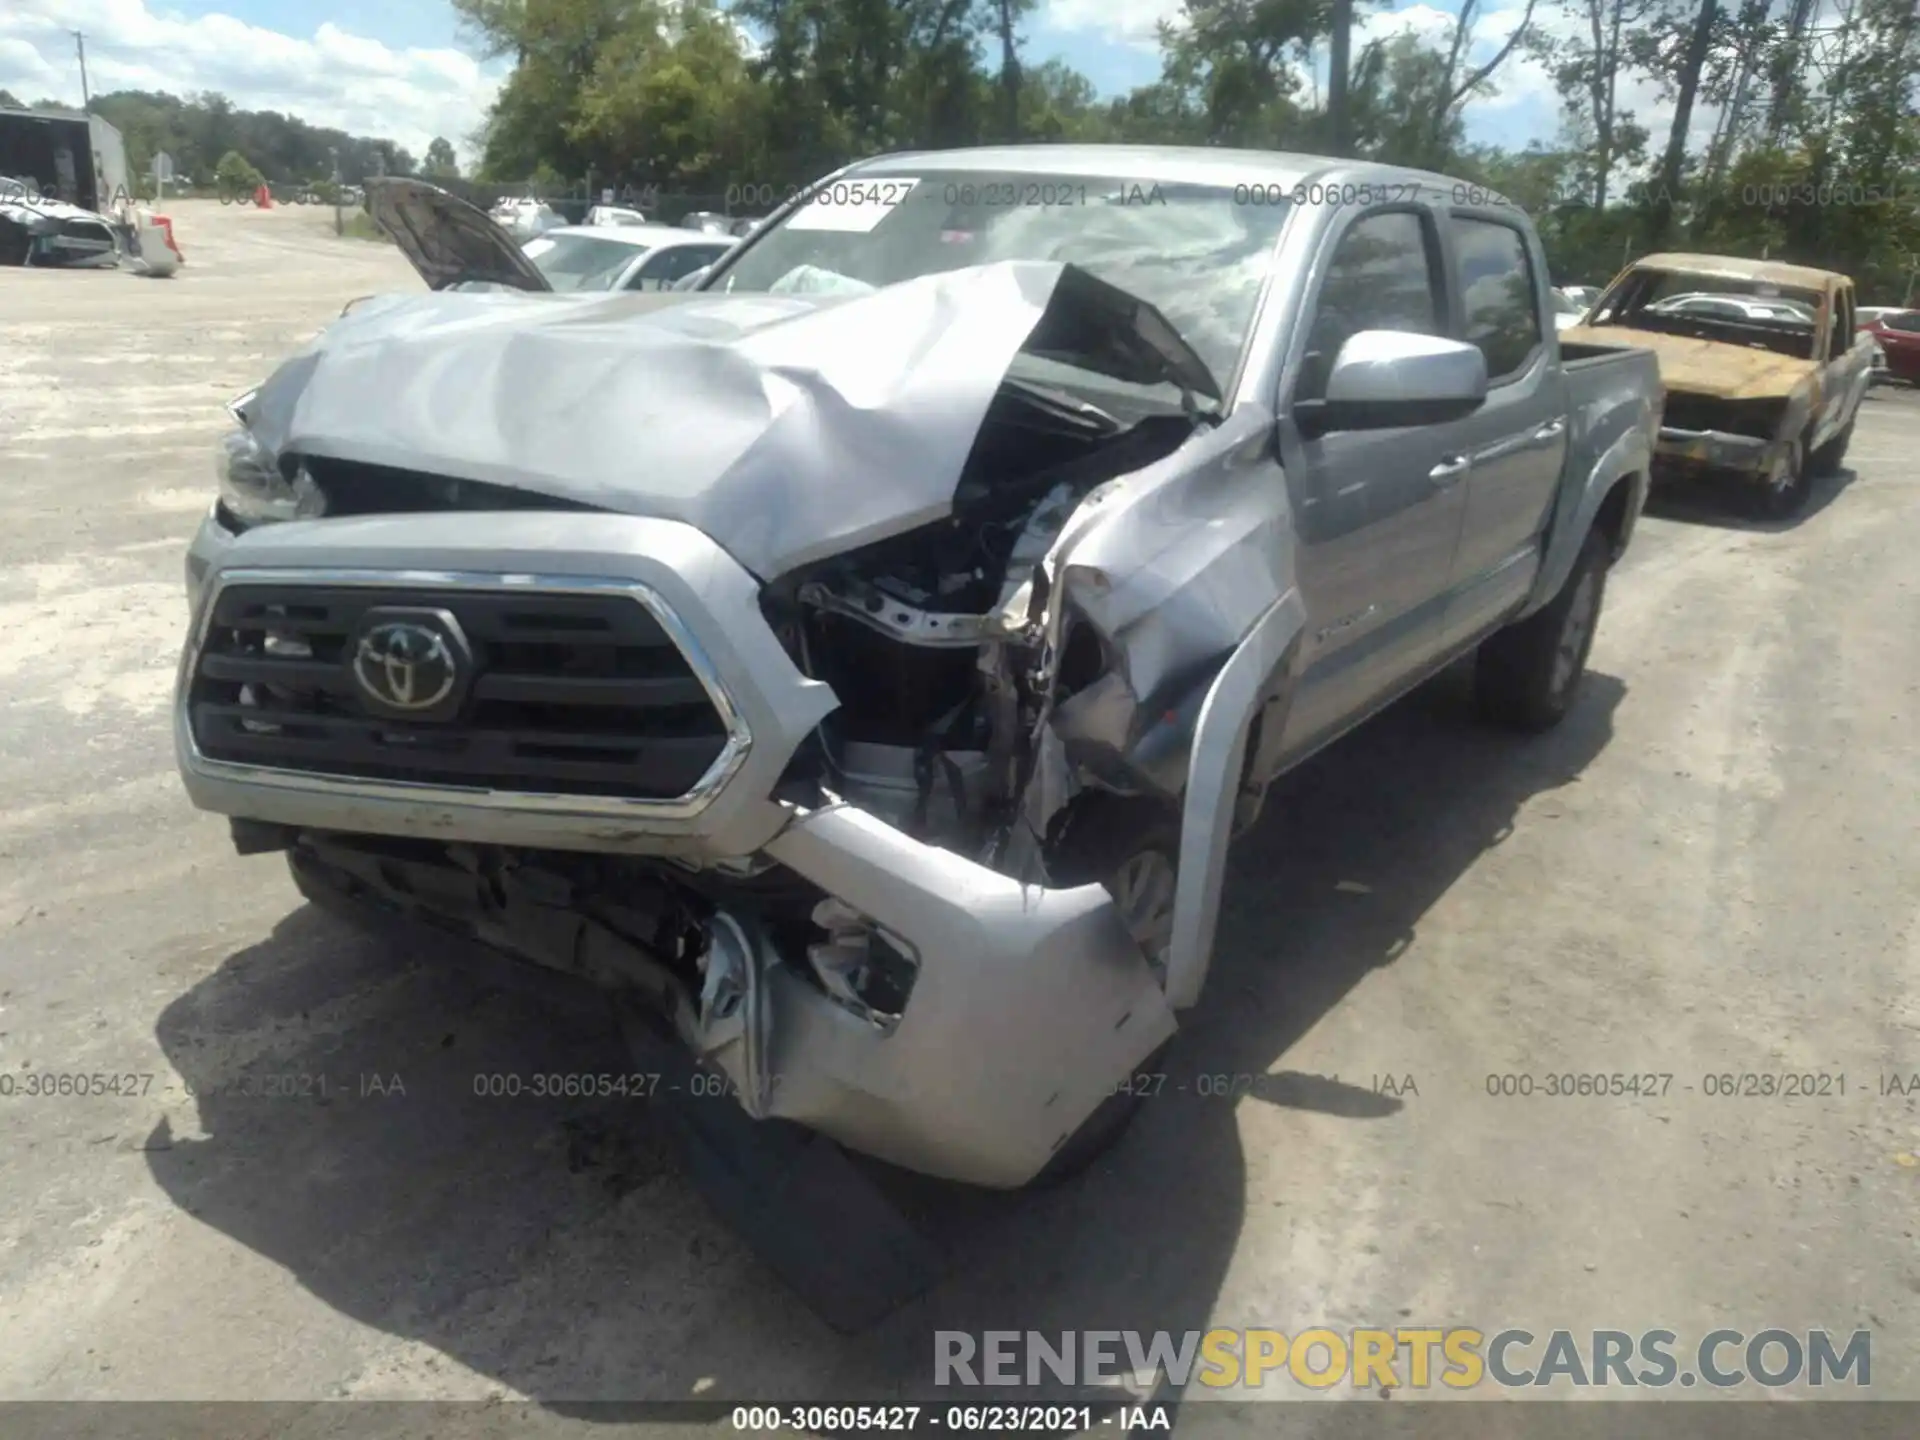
[(865, 656)]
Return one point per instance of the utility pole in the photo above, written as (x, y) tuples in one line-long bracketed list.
[(339, 221), (1799, 17), (80, 48), (1340, 43)]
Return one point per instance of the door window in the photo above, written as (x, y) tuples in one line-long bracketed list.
[(1842, 325), (1382, 277), (1497, 290)]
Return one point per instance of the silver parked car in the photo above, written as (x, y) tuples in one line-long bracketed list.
[(861, 662)]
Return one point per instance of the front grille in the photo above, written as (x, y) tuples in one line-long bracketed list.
[(579, 694), (1755, 418)]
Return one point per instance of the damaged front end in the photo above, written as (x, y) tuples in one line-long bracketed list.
[(36, 230), (881, 902)]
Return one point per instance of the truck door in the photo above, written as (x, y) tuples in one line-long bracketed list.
[(1377, 512), (1846, 372), (1517, 442)]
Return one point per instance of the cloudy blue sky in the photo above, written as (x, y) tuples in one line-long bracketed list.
[(401, 68)]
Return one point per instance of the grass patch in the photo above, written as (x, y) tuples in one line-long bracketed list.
[(360, 226)]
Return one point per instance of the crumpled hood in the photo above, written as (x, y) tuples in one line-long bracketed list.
[(1706, 367), (786, 427)]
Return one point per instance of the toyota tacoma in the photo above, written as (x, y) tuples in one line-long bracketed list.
[(864, 656)]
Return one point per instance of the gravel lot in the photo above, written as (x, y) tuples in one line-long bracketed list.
[(1710, 869)]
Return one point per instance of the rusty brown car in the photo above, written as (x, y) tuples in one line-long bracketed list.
[(1760, 360)]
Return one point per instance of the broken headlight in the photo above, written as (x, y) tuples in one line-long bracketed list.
[(254, 486)]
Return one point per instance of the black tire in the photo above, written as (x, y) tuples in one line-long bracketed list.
[(1784, 494), (1826, 460), (1527, 676), (1098, 838)]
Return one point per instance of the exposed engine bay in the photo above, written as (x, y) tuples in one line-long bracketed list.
[(935, 641)]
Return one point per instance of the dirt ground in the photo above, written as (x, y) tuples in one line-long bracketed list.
[(1710, 870)]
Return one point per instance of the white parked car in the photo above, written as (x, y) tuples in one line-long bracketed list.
[(623, 257), (614, 215), (1567, 311), (525, 216), (1581, 295), (1734, 307)]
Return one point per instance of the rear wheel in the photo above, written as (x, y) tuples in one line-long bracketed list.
[(1528, 675)]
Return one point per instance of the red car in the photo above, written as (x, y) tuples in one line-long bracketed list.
[(1897, 333)]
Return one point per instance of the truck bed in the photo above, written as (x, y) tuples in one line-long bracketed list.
[(1586, 354), (1608, 390)]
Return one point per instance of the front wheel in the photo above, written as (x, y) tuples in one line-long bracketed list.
[(1528, 675), (1788, 486), (1132, 846), (1827, 459)]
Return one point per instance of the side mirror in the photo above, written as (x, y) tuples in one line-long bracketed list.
[(1384, 379)]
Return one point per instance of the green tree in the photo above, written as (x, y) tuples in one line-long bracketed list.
[(1401, 106), (668, 97), (284, 147), (1237, 63), (1588, 67), (1006, 19), (235, 173), (441, 164), (556, 46), (1058, 103)]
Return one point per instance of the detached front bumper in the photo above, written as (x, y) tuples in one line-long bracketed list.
[(1027, 1007), (1030, 1006), (1683, 452)]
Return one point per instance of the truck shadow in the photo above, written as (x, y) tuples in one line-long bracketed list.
[(1726, 503), (551, 1247)]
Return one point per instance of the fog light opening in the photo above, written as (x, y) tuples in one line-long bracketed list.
[(863, 967)]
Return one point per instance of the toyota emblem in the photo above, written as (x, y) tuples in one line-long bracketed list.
[(405, 665)]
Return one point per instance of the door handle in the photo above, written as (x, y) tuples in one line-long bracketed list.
[(1450, 469), (1552, 430)]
